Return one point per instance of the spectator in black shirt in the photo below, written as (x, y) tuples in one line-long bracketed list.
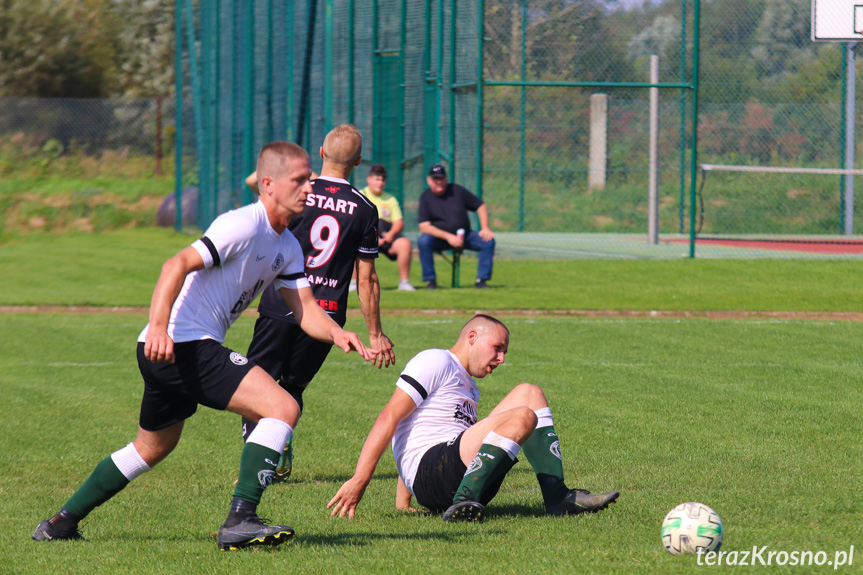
[(444, 225)]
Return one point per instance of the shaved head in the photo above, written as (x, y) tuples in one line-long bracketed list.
[(480, 323), (343, 146), (276, 157)]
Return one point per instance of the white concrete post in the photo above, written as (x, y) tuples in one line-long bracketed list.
[(598, 141), (653, 155)]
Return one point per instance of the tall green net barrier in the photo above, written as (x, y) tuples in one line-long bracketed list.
[(545, 109)]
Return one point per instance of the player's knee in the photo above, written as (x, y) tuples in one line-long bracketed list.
[(525, 418), (287, 409), (531, 394)]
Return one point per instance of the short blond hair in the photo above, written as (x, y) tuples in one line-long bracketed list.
[(343, 145), (275, 159)]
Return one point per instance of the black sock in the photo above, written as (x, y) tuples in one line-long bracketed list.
[(240, 510), (65, 521)]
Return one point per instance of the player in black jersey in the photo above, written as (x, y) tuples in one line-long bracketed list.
[(337, 231)]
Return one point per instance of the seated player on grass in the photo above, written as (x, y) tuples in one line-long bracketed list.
[(448, 460)]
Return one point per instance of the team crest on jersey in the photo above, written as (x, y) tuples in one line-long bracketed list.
[(332, 189), (280, 259), (555, 450), (265, 476), (475, 465), (238, 358)]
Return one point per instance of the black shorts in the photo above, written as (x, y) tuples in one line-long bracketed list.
[(440, 473), (205, 372), (385, 248), (288, 354)]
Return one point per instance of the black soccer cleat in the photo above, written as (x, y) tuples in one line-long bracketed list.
[(431, 284), (61, 527), (253, 531), (464, 511), (579, 501), (480, 284)]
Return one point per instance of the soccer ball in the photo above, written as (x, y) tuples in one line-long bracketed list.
[(690, 527)]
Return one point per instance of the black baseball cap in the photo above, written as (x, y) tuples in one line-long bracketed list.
[(437, 171)]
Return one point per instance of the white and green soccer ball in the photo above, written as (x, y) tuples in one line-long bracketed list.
[(690, 527)]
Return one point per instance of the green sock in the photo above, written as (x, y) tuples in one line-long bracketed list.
[(103, 484), (542, 450), (257, 468), (489, 464)]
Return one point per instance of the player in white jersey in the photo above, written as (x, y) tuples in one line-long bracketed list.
[(200, 292), (446, 458)]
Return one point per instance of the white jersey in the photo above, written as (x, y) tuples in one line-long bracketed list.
[(446, 398), (242, 255)]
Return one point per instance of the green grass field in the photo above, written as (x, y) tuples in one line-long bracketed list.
[(759, 419), (120, 269)]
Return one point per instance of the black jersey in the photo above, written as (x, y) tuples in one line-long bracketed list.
[(338, 224)]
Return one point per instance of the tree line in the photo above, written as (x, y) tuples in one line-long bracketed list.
[(86, 48), (107, 48)]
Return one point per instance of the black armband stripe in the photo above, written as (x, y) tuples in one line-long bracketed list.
[(291, 277), (213, 251), (416, 385)]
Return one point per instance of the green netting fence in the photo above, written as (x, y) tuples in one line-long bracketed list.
[(544, 109)]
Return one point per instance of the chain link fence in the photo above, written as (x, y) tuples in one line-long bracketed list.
[(90, 126), (542, 107)]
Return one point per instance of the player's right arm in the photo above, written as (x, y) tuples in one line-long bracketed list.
[(348, 497), (317, 323), (158, 346)]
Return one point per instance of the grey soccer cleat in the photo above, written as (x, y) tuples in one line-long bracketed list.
[(581, 501), (61, 527), (464, 511), (253, 531)]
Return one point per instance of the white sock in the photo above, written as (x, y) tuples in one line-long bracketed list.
[(129, 462), (511, 447), (272, 433), (544, 417)]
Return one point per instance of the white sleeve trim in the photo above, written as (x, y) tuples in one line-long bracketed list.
[(410, 390), (205, 253)]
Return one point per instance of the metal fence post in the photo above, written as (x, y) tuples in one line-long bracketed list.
[(693, 167), (178, 116)]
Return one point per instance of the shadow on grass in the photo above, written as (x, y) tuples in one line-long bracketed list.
[(308, 478), (493, 511), (360, 539)]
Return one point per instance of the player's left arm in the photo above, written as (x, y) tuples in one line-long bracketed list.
[(369, 292), (484, 230), (158, 346), (317, 323), (403, 498)]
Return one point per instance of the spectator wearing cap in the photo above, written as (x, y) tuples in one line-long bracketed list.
[(444, 224)]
